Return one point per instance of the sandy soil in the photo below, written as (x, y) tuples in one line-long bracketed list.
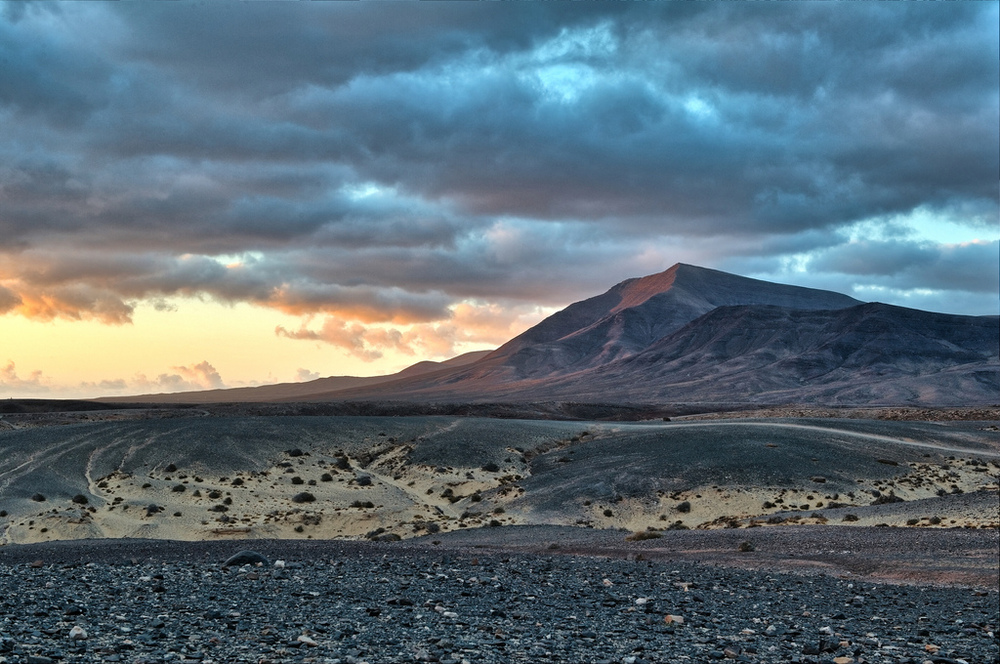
[(428, 476)]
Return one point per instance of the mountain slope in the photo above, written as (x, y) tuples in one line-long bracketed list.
[(305, 391), (868, 354)]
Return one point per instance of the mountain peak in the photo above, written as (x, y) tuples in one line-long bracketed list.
[(636, 291)]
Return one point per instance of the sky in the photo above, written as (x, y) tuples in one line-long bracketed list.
[(200, 195)]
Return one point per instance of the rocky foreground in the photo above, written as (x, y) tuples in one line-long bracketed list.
[(395, 602)]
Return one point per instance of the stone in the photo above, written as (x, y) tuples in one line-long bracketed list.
[(77, 633), (306, 640), (672, 619), (246, 557)]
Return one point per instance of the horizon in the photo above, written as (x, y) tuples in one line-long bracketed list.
[(207, 197)]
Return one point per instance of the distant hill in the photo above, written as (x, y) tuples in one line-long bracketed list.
[(297, 391), (695, 335)]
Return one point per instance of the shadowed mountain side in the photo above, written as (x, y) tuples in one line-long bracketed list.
[(872, 353), (868, 354), (298, 391)]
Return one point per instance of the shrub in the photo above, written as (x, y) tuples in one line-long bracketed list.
[(179, 488), (850, 517), (491, 467), (80, 499), (38, 498), (326, 477), (608, 513), (297, 480), (304, 497), (684, 507), (886, 499), (643, 535), (745, 547)]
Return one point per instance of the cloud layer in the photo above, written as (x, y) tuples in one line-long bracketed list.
[(412, 177)]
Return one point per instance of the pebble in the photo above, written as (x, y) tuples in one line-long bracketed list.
[(353, 605)]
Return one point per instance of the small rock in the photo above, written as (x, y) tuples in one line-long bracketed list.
[(305, 640), (77, 633), (671, 619), (279, 564)]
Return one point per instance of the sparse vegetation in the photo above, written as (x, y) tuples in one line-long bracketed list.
[(644, 535)]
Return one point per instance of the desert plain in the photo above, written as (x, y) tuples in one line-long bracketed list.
[(213, 474)]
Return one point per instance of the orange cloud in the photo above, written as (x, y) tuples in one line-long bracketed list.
[(487, 324), (201, 376), (364, 343)]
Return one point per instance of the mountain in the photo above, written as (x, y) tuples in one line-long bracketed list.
[(873, 354), (694, 335), (637, 312)]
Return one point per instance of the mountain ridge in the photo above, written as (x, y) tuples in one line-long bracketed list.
[(693, 334)]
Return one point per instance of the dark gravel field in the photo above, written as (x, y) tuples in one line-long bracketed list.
[(464, 601)]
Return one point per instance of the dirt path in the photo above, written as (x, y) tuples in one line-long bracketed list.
[(841, 432)]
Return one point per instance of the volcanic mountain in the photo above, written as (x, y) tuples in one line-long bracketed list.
[(695, 335)]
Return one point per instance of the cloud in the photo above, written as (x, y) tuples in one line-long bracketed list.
[(305, 375), (201, 376), (379, 169), (11, 383), (972, 267), (480, 325), (364, 343)]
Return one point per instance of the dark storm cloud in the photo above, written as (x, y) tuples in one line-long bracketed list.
[(904, 265), (383, 162)]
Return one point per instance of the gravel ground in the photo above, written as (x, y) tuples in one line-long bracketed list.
[(141, 601)]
